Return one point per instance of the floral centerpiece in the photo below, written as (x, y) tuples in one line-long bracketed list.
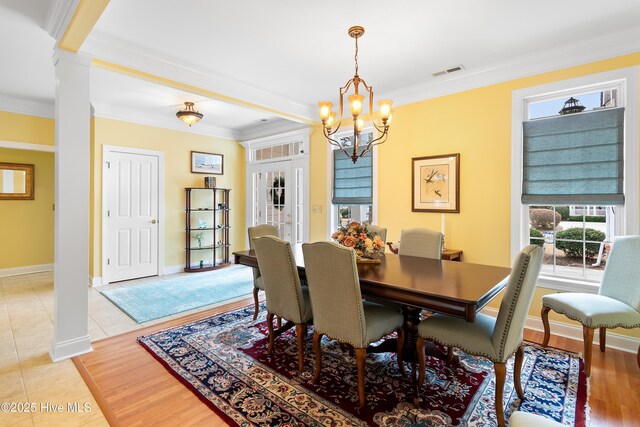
[(357, 236)]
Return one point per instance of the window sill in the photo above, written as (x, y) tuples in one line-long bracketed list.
[(568, 285)]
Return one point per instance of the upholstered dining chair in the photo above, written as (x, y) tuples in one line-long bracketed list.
[(525, 419), (420, 242), (258, 285), (617, 303), (338, 309), (380, 231), (494, 338), (285, 296)]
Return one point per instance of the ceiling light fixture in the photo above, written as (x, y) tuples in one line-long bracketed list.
[(189, 115), (329, 124)]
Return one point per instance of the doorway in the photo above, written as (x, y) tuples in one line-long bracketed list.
[(132, 240)]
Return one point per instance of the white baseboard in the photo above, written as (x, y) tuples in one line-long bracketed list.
[(27, 269), (70, 348), (95, 281), (615, 341), (172, 269)]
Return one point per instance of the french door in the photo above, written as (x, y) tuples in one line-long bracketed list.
[(273, 194)]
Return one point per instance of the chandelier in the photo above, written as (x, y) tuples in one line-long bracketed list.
[(330, 124), (189, 115)]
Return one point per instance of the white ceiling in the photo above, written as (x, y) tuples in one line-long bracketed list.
[(289, 54)]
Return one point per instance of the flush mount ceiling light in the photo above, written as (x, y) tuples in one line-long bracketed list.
[(329, 124), (189, 115)]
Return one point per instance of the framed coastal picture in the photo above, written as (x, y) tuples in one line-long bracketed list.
[(209, 163), (435, 183)]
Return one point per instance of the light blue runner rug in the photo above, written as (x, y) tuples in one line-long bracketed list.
[(148, 301)]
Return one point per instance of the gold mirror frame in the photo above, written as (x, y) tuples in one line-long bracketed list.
[(28, 187)]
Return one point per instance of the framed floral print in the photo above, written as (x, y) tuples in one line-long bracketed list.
[(435, 183)]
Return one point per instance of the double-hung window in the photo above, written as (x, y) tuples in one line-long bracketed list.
[(574, 177)]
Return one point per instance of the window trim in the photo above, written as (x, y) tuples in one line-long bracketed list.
[(331, 210), (627, 81)]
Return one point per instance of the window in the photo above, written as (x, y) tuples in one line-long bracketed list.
[(575, 176), (353, 185)]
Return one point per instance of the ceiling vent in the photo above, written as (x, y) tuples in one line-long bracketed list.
[(453, 69)]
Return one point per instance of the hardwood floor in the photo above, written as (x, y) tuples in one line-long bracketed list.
[(133, 389)]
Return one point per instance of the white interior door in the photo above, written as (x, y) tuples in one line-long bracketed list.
[(132, 216), (275, 198)]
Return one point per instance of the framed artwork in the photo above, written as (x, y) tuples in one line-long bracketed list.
[(209, 163), (435, 183)]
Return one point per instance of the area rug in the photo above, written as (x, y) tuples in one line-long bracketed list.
[(164, 297), (223, 360)]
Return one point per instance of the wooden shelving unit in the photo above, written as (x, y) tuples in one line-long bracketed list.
[(206, 212)]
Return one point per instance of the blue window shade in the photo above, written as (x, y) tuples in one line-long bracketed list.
[(352, 182), (576, 159)]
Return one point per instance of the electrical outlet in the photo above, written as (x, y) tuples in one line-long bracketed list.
[(317, 208)]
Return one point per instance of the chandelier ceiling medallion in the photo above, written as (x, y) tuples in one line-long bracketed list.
[(189, 115), (330, 124)]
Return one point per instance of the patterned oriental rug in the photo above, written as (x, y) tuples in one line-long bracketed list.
[(223, 360)]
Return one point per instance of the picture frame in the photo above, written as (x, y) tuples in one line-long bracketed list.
[(207, 163), (435, 183), (17, 181)]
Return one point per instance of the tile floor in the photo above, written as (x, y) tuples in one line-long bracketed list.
[(27, 374)]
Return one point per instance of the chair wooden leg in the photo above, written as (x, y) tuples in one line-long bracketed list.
[(587, 334), (300, 327), (603, 339), (317, 348), (450, 355), (272, 336), (256, 302), (399, 347), (517, 371), (361, 360), (501, 373), (638, 356), (421, 363), (544, 314), (279, 321)]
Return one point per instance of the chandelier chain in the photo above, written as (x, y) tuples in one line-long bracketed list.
[(356, 56)]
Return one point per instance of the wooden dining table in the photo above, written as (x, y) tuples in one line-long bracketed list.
[(455, 288)]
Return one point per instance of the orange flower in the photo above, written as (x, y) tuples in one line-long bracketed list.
[(349, 241), (354, 224)]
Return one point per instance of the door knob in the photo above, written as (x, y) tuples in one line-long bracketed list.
[(153, 221)]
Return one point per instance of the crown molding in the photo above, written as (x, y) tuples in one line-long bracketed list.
[(27, 106), (581, 52), (156, 120), (58, 17), (276, 139), (110, 49), (27, 146), (269, 128)]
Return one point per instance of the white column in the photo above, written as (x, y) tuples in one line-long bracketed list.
[(71, 264)]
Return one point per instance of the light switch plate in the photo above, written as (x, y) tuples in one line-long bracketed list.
[(317, 208)]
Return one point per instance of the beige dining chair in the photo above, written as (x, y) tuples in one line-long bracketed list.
[(285, 296), (494, 338), (380, 231), (258, 285), (338, 309), (524, 419), (617, 303), (420, 242)]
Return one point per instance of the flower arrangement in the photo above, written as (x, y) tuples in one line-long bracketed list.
[(357, 236)]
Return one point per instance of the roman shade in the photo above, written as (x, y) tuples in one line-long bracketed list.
[(352, 182), (575, 159)]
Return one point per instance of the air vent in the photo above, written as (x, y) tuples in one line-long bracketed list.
[(449, 70)]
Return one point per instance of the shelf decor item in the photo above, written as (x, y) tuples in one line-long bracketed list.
[(368, 246), (209, 182), (435, 183)]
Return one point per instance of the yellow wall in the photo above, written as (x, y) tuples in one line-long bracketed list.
[(26, 226), (177, 147), (29, 129), (475, 123)]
